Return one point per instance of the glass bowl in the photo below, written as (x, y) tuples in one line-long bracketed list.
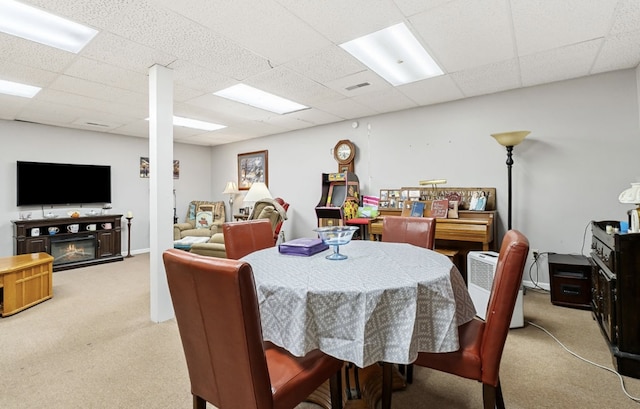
[(336, 236)]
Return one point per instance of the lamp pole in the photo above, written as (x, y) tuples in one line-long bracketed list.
[(509, 140), (509, 165)]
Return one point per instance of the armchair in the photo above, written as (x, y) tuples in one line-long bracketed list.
[(201, 224), (273, 209)]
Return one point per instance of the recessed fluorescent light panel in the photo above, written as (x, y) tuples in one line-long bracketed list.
[(45, 28), (195, 124), (17, 89), (394, 54), (260, 99)]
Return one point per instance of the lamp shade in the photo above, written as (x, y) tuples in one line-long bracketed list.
[(230, 188), (510, 138), (631, 195), (258, 191)]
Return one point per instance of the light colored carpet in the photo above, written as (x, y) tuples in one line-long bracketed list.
[(93, 346)]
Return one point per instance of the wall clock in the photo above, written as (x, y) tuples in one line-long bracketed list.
[(345, 153)]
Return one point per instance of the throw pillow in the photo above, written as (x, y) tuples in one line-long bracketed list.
[(204, 220), (192, 212)]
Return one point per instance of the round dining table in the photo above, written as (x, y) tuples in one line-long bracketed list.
[(385, 303)]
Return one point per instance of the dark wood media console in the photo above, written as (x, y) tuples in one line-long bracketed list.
[(97, 240)]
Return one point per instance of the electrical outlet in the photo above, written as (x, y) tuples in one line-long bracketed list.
[(535, 253)]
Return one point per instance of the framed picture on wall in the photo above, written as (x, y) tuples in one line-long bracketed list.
[(253, 167)]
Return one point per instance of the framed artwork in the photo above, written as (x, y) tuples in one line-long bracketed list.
[(253, 167), (144, 167)]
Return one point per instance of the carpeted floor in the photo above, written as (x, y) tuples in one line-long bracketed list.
[(93, 346)]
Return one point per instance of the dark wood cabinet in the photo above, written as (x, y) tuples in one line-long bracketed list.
[(570, 279), (615, 298), (96, 240)]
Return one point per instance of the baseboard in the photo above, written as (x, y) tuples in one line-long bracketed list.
[(530, 284)]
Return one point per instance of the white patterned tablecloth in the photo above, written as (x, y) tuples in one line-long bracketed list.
[(386, 302)]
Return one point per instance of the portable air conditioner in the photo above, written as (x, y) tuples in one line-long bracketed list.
[(481, 268)]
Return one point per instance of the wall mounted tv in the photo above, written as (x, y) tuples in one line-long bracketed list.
[(40, 183)]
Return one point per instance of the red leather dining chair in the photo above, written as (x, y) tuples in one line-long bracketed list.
[(482, 342), (244, 237), (229, 365), (419, 231)]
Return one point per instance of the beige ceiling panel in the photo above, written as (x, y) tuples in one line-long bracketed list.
[(263, 26), (619, 52), (386, 101), (229, 110), (341, 21), (329, 64), (411, 7), (544, 25), (432, 91), (285, 83), (95, 13), (10, 71), (34, 55), (108, 74), (559, 64), (79, 86), (361, 83), (626, 17), (488, 79), (124, 53), (195, 76), (10, 106), (466, 33), (347, 109)]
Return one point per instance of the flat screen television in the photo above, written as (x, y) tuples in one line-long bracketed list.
[(41, 183)]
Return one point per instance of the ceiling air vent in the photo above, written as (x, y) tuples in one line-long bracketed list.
[(351, 88)]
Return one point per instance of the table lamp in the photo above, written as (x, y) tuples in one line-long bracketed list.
[(230, 189), (509, 140), (257, 191), (632, 196)]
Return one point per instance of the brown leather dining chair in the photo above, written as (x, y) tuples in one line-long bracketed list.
[(229, 365), (482, 342), (419, 231), (244, 237)]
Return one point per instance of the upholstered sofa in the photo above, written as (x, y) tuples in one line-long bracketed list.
[(204, 219), (273, 209)]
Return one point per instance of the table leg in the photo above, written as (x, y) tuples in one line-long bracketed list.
[(387, 381)]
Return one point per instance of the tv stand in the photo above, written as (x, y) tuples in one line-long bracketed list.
[(71, 250)]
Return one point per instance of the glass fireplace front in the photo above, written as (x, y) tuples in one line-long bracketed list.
[(73, 250)]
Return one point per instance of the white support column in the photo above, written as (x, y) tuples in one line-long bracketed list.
[(161, 183)]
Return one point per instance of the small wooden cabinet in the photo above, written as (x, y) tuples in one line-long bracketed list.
[(102, 232), (570, 279), (25, 280)]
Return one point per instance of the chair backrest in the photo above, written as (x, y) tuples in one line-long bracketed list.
[(419, 231), (504, 291), (244, 237), (218, 319), (276, 230)]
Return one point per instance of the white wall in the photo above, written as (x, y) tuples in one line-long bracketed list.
[(581, 153), (33, 142)]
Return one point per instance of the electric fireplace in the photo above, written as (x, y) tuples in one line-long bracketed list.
[(72, 250)]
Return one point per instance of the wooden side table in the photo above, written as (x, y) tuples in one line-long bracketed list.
[(25, 280)]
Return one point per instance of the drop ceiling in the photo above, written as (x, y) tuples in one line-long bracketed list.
[(290, 48)]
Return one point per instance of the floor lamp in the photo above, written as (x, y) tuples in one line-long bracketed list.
[(509, 140)]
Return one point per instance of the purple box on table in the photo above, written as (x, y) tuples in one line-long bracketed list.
[(302, 247)]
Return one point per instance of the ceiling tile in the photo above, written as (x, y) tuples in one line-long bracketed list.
[(543, 25), (460, 36), (341, 21), (488, 79), (618, 52), (559, 64), (432, 91)]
